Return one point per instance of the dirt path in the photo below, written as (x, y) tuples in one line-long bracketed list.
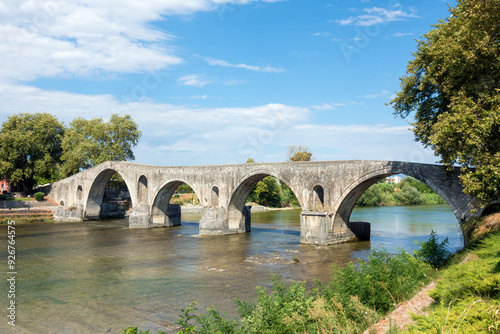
[(401, 315)]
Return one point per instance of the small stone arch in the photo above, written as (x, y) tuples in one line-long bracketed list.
[(142, 190), (79, 193), (162, 211), (238, 217), (214, 196), (318, 198)]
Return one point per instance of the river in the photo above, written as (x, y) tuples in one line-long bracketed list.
[(100, 276)]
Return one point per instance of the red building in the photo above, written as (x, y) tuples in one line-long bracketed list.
[(4, 186)]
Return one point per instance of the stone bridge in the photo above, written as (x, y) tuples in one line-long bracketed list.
[(327, 192)]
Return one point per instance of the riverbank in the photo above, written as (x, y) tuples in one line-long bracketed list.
[(26, 211)]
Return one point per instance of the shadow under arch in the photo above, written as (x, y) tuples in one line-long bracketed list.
[(162, 212), (93, 208), (238, 216), (351, 194)]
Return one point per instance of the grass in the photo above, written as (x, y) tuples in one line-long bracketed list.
[(467, 298)]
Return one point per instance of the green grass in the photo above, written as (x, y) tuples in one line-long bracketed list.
[(468, 295)]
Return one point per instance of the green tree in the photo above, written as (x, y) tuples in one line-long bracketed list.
[(30, 148), (298, 153), (453, 87), (371, 197), (90, 142)]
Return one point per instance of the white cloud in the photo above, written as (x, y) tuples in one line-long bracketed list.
[(377, 15), (402, 34), (383, 93), (327, 106), (266, 68), (194, 80), (47, 38)]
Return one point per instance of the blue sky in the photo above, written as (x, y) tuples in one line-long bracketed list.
[(220, 81)]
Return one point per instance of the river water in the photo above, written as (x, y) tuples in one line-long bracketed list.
[(100, 277)]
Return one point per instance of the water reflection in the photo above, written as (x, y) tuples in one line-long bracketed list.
[(96, 277)]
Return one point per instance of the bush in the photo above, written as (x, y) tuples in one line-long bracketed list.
[(371, 197), (381, 282), (3, 197), (39, 196), (433, 252), (408, 195)]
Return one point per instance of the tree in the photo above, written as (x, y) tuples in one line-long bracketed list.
[(299, 153), (453, 87), (90, 142), (30, 149)]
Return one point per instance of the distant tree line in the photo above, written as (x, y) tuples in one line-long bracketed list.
[(409, 192), (38, 148)]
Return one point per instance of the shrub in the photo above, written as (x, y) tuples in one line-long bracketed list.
[(3, 197), (371, 197), (433, 252), (408, 195), (39, 196), (381, 282)]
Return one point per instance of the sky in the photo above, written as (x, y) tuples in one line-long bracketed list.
[(220, 81)]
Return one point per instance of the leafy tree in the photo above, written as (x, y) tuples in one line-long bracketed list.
[(453, 87), (299, 153), (371, 197), (90, 142), (266, 192), (408, 195), (30, 148), (420, 186)]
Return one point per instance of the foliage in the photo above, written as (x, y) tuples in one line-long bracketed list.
[(3, 197), (468, 296), (409, 192), (283, 310), (212, 322), (433, 252), (266, 192), (408, 195), (298, 153), (371, 197), (185, 189), (287, 197), (39, 196), (135, 330), (478, 228), (30, 148), (273, 193), (90, 142), (452, 86), (381, 282)]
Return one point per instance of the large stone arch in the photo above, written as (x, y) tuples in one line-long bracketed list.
[(238, 216), (162, 212), (94, 199), (346, 202)]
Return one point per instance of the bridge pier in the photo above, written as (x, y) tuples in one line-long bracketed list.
[(214, 221), (316, 228), (139, 218)]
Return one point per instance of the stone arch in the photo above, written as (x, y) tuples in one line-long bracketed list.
[(318, 198), (346, 202), (237, 215), (162, 211), (214, 196), (79, 193), (142, 190), (96, 193)]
